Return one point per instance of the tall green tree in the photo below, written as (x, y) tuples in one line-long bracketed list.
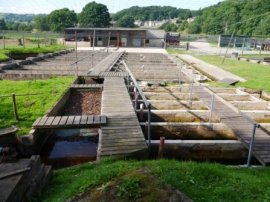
[(2, 24), (94, 15), (41, 23), (126, 21), (61, 19)]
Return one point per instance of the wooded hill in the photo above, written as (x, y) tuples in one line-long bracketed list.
[(154, 13), (245, 17)]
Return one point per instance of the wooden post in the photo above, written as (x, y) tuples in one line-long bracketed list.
[(15, 111), (141, 112), (23, 40), (161, 147), (38, 40)]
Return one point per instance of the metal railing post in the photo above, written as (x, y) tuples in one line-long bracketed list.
[(149, 126), (141, 112), (255, 126), (135, 98), (190, 94), (211, 108)]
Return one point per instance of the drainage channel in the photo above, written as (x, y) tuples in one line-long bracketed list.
[(66, 144), (190, 129)]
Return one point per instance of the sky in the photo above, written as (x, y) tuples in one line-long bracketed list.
[(46, 6)]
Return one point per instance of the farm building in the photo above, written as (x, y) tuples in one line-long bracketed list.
[(117, 37)]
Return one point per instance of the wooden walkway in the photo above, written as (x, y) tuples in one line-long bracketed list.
[(239, 124), (122, 135), (106, 64), (69, 122)]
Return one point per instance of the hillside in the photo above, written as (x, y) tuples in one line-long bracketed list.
[(13, 17), (245, 17), (154, 13)]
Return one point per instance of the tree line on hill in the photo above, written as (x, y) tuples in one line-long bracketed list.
[(243, 17), (246, 17)]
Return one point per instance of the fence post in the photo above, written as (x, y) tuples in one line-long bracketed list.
[(255, 126), (3, 37), (38, 40), (23, 40), (15, 110), (161, 147), (211, 108)]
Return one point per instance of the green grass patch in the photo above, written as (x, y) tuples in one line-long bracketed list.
[(176, 51), (200, 181), (257, 76), (255, 55), (30, 49), (30, 107)]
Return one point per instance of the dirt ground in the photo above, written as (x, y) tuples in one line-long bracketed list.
[(83, 103)]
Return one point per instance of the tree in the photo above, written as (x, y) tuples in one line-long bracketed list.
[(126, 21), (94, 15), (61, 19), (2, 24), (41, 22), (194, 28)]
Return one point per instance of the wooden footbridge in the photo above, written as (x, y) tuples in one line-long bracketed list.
[(239, 123), (122, 134)]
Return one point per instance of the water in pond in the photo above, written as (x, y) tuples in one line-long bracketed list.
[(67, 147)]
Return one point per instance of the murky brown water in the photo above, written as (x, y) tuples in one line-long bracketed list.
[(70, 147)]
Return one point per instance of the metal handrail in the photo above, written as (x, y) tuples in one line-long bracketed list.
[(146, 103), (76, 62)]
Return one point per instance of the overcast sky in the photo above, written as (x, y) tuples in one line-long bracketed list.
[(46, 6)]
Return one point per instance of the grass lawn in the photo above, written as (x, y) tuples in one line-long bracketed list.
[(30, 107), (199, 181), (27, 50), (257, 76), (176, 51), (255, 55)]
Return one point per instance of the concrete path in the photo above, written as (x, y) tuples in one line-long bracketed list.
[(126, 49), (215, 72)]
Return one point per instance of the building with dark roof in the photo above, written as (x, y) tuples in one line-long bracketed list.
[(117, 37)]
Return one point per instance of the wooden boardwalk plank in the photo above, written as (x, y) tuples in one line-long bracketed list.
[(77, 120), (63, 120), (69, 121), (49, 121), (56, 120), (122, 135)]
